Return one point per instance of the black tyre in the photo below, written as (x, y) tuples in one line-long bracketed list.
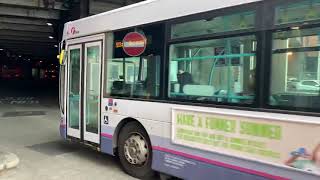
[(135, 152)]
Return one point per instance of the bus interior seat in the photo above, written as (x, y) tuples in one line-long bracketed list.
[(198, 90), (120, 88), (139, 88)]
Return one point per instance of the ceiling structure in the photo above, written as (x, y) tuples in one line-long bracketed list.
[(24, 30), (33, 27)]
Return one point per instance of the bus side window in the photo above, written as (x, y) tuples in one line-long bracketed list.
[(218, 70), (294, 69), (140, 77)]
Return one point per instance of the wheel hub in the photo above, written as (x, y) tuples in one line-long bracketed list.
[(136, 149)]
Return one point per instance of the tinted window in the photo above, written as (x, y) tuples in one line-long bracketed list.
[(298, 12), (239, 21), (134, 77), (219, 70), (296, 56), (139, 76)]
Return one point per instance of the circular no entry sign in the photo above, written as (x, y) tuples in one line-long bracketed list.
[(134, 44)]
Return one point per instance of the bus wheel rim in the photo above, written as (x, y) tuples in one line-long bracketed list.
[(136, 149)]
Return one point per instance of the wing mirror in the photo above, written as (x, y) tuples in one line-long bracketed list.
[(61, 56)]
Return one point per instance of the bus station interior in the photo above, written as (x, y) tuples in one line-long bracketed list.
[(222, 69), (30, 32)]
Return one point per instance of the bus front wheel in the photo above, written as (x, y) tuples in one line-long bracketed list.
[(135, 152)]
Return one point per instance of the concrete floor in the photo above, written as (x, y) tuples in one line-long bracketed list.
[(34, 137)]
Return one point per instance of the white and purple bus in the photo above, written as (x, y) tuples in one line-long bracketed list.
[(198, 89)]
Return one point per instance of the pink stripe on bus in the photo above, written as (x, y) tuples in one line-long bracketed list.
[(106, 135), (209, 161)]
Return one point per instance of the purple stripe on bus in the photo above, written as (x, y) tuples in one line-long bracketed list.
[(106, 144), (191, 169), (107, 135), (107, 129), (217, 163), (63, 131)]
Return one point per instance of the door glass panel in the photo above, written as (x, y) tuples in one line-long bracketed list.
[(92, 89), (62, 87), (74, 89)]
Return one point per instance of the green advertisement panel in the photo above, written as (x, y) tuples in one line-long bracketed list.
[(271, 140)]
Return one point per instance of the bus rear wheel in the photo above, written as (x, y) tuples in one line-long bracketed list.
[(135, 151)]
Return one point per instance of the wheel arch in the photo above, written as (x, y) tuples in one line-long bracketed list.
[(122, 124)]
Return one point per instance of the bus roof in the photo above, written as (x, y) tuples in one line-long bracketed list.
[(143, 13)]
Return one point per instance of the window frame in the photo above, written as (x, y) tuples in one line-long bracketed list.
[(162, 55), (124, 70), (62, 87), (269, 28), (216, 37), (275, 4), (256, 7), (267, 80)]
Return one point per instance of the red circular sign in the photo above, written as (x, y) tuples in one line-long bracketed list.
[(134, 44)]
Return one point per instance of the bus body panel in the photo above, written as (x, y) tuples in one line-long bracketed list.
[(198, 164), (143, 13), (63, 127), (156, 117)]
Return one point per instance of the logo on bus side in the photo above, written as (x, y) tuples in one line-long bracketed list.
[(134, 44), (72, 31)]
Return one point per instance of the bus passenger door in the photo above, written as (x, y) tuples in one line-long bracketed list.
[(84, 84), (74, 91), (92, 61)]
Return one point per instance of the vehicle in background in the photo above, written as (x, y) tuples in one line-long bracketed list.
[(308, 86), (51, 74), (292, 84), (11, 72)]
